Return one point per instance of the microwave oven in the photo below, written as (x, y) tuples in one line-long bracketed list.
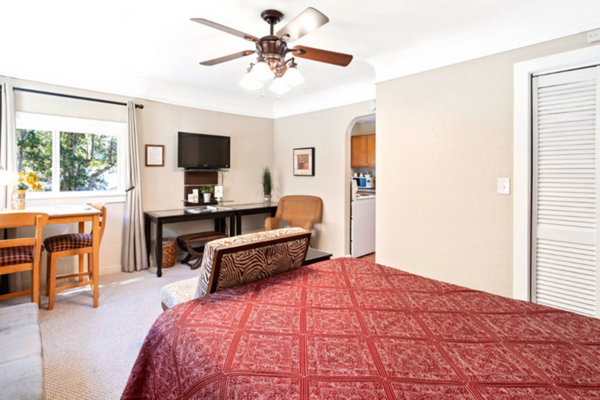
[(365, 182)]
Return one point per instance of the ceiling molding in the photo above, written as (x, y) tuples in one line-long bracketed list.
[(350, 89), (33, 81), (430, 59)]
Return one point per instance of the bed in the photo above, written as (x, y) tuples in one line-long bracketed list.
[(352, 329)]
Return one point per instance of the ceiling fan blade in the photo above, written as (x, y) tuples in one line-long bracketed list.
[(325, 56), (225, 29), (309, 20), (228, 58)]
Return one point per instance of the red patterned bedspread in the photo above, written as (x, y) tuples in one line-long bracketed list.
[(350, 329)]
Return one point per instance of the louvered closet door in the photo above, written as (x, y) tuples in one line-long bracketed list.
[(565, 219)]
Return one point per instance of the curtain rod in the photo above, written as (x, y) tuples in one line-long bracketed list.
[(140, 106)]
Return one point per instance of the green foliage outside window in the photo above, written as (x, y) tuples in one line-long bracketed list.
[(34, 154), (86, 161)]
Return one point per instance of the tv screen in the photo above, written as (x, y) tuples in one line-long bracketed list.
[(197, 151)]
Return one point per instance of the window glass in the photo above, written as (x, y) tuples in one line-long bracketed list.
[(34, 154), (70, 155), (88, 162)]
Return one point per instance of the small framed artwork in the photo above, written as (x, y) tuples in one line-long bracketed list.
[(155, 155), (304, 161)]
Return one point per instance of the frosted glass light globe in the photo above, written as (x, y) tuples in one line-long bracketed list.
[(279, 86), (248, 82), (261, 71), (293, 77)]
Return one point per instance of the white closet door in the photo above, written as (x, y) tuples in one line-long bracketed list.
[(565, 191)]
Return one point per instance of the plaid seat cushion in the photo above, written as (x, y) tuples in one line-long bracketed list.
[(16, 255), (68, 242)]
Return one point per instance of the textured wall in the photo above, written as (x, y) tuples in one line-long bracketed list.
[(444, 137)]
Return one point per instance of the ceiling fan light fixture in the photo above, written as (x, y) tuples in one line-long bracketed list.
[(293, 76), (262, 71), (249, 82), (279, 86)]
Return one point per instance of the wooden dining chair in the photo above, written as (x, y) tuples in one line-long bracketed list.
[(71, 244), (18, 255)]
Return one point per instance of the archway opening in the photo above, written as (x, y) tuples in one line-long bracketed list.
[(359, 126)]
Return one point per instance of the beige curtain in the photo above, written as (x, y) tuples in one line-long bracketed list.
[(8, 159), (134, 256)]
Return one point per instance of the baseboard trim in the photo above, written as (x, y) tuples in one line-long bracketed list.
[(110, 269)]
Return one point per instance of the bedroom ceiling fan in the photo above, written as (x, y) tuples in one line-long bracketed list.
[(272, 50)]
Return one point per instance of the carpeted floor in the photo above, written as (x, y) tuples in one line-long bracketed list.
[(88, 353)]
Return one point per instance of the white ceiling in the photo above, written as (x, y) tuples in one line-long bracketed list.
[(150, 49)]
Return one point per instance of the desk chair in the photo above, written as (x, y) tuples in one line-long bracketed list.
[(299, 211), (17, 255), (71, 244)]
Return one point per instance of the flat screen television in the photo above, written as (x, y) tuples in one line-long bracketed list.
[(199, 151)]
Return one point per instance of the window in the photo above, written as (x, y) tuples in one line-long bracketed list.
[(72, 157)]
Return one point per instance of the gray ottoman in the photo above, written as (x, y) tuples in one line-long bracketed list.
[(21, 360)]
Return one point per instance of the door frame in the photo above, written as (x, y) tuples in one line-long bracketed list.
[(522, 148)]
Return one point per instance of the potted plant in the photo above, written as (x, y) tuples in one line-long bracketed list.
[(206, 192), (27, 181), (267, 184)]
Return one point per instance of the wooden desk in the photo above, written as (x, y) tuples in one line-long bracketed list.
[(235, 212), (80, 215), (252, 209), (161, 218)]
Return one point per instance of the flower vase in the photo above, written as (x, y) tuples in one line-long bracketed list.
[(267, 198), (206, 197), (18, 201)]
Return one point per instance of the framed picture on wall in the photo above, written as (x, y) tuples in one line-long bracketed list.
[(304, 161), (155, 155)]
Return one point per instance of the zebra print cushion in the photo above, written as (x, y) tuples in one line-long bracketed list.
[(242, 262)]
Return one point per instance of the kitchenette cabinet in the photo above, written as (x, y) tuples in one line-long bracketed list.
[(363, 151)]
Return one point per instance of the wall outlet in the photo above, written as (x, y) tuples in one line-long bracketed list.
[(594, 36), (503, 186)]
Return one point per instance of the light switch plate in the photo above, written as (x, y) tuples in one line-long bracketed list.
[(503, 186)]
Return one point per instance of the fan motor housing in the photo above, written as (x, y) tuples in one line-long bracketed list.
[(271, 46)]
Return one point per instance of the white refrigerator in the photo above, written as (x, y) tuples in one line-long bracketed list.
[(362, 227)]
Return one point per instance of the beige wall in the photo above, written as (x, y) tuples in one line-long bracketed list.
[(329, 132), (444, 137), (364, 128), (251, 150), (158, 123)]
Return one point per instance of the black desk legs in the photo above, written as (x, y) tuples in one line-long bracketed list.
[(220, 225), (238, 224), (231, 225), (148, 237), (158, 245)]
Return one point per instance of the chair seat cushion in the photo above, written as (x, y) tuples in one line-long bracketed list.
[(21, 363), (178, 292), (198, 239), (16, 255), (69, 241)]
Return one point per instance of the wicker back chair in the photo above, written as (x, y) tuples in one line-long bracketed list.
[(298, 211)]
